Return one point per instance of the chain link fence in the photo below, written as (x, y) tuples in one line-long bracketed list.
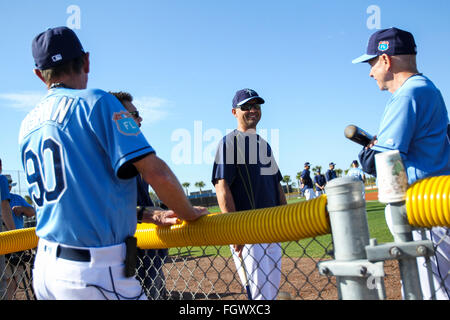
[(193, 273), (209, 273)]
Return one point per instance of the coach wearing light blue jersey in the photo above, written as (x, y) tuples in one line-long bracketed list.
[(415, 122), (81, 151)]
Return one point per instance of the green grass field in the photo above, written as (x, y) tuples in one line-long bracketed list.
[(312, 247)]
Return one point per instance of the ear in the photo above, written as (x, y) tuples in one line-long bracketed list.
[(86, 66), (233, 111), (386, 61), (38, 73)]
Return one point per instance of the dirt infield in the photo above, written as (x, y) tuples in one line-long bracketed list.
[(216, 278), (370, 196)]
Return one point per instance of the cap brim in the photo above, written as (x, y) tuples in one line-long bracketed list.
[(261, 100), (364, 58)]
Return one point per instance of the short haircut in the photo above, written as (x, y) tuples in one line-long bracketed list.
[(72, 66), (122, 96)]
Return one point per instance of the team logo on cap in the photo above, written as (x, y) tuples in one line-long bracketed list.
[(251, 92), (383, 45), (56, 57), (126, 124)]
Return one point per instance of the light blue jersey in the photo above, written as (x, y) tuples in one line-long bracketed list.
[(4, 188), (4, 192), (415, 122), (17, 200), (356, 172), (76, 147)]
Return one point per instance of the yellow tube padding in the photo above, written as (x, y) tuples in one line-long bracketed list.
[(18, 240), (277, 224), (428, 202)]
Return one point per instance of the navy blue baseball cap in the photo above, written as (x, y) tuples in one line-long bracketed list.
[(307, 164), (55, 46), (390, 41), (245, 95)]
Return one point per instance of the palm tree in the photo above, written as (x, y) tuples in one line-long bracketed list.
[(338, 172), (317, 169), (186, 186), (287, 179), (298, 177), (200, 185)]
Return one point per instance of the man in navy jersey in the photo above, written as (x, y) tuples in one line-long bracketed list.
[(415, 122), (307, 183), (246, 176), (81, 151)]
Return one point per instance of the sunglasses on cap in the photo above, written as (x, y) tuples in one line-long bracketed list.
[(248, 107)]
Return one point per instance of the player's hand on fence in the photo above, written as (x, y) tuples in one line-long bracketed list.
[(201, 211), (160, 217)]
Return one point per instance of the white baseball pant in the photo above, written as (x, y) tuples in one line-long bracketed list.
[(263, 266), (309, 194), (101, 278)]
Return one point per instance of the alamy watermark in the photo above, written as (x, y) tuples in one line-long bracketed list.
[(374, 20), (198, 146), (74, 19)]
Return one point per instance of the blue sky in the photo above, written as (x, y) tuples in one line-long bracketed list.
[(184, 60)]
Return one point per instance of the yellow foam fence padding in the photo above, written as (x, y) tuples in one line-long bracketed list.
[(18, 240), (277, 224), (428, 202)]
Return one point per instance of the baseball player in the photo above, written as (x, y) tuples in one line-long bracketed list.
[(5, 198), (330, 174), (357, 173), (307, 184), (19, 206), (319, 183), (149, 271), (246, 176), (81, 152), (415, 122)]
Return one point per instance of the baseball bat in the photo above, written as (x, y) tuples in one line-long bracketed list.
[(358, 135), (247, 286)]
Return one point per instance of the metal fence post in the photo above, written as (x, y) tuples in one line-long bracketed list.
[(350, 233), (401, 231)]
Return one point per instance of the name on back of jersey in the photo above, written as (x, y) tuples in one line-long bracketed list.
[(53, 109)]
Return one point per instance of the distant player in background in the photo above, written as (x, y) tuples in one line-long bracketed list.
[(307, 183), (81, 151), (357, 173), (320, 183), (415, 122), (330, 174), (246, 176)]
